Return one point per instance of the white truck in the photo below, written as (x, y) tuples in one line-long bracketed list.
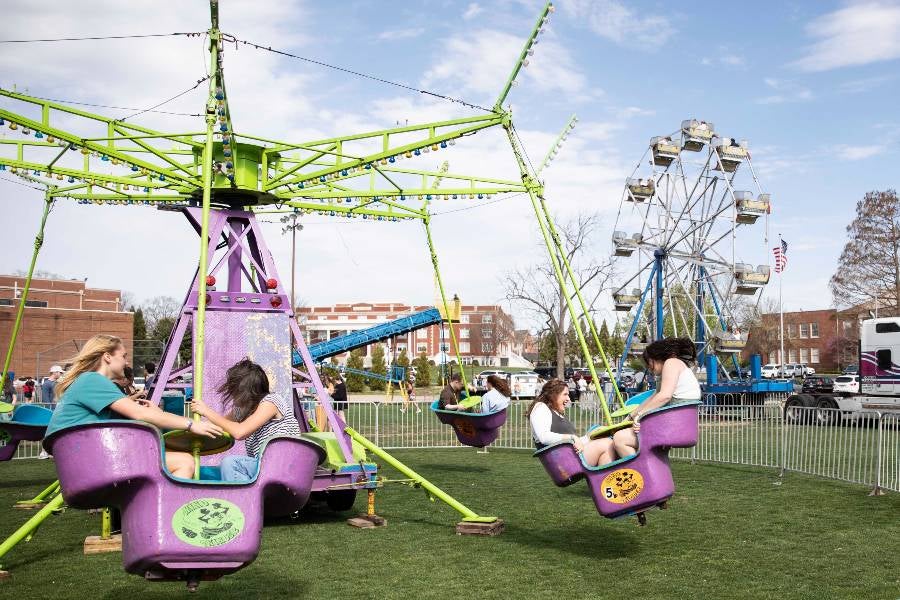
[(879, 387)]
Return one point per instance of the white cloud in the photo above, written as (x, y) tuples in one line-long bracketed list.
[(613, 20), (401, 34), (480, 61), (724, 58), (845, 152), (473, 10), (858, 34), (860, 86), (784, 92)]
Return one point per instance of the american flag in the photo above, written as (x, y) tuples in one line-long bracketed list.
[(780, 253)]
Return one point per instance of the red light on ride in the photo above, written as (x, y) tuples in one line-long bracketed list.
[(271, 284), (275, 301), (210, 280)]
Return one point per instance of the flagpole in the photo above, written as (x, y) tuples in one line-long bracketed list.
[(781, 304)]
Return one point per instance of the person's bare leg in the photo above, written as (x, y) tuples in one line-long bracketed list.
[(625, 442), (598, 452), (180, 464)]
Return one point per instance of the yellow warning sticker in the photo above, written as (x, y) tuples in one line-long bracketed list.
[(622, 485)]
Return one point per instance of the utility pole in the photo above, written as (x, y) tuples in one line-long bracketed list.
[(290, 223)]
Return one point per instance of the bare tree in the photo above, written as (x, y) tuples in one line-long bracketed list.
[(536, 289), (160, 308), (762, 322), (869, 267)]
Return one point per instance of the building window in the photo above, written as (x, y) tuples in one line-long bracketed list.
[(422, 334), (792, 356), (804, 331), (804, 355), (813, 330), (464, 346), (445, 347), (487, 318), (422, 348), (463, 334), (486, 333), (791, 331), (463, 318), (814, 356), (487, 347), (6, 302)]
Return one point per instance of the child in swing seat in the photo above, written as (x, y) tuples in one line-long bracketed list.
[(255, 416)]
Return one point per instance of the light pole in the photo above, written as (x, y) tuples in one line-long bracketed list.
[(290, 223)]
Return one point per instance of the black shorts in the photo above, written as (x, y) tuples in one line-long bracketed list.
[(340, 405)]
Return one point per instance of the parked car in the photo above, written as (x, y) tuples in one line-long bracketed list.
[(480, 380), (771, 371), (793, 370), (524, 385), (139, 383), (846, 384), (546, 372), (851, 370), (807, 370), (818, 385)]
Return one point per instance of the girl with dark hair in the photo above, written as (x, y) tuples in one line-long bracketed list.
[(549, 425), (670, 359), (497, 396), (256, 415)]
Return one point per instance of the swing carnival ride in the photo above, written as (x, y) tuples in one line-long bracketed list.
[(219, 178), (684, 216)]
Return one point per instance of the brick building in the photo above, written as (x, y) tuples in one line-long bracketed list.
[(826, 340), (486, 333), (59, 316)]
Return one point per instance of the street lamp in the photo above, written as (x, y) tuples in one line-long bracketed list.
[(290, 223)]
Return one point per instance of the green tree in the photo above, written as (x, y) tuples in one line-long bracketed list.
[(355, 381), (423, 371), (140, 326), (378, 368)]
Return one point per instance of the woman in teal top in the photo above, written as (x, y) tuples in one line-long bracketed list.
[(86, 394)]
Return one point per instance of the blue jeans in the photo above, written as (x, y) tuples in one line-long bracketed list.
[(239, 468)]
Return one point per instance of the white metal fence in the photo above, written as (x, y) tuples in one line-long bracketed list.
[(861, 447)]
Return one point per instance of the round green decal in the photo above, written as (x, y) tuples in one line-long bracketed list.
[(208, 522), (4, 437)]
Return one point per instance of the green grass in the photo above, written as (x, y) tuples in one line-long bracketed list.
[(731, 532)]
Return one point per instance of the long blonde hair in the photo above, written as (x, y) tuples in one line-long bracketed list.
[(88, 359)]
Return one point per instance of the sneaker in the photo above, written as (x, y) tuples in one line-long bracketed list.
[(43, 455)]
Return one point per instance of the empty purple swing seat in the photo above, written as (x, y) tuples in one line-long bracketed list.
[(472, 429), (633, 483), (173, 526), (29, 424)]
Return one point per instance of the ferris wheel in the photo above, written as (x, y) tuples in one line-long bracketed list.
[(691, 209)]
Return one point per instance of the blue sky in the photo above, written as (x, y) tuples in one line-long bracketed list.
[(811, 85)]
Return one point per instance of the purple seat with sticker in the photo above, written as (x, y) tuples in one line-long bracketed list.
[(472, 429), (177, 528), (635, 483), (28, 424)]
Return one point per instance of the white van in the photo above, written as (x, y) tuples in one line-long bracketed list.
[(524, 385), (771, 371)]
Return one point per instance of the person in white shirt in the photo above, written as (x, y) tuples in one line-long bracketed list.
[(497, 396), (549, 425), (671, 359)]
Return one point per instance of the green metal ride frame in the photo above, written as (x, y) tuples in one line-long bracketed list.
[(89, 158)]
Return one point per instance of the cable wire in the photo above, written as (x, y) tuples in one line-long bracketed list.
[(175, 97), (164, 112), (357, 73), (104, 37)]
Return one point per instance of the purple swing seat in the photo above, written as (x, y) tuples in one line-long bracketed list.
[(29, 423), (634, 483), (472, 429), (172, 527)]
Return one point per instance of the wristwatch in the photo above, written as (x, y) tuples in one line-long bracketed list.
[(190, 424)]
